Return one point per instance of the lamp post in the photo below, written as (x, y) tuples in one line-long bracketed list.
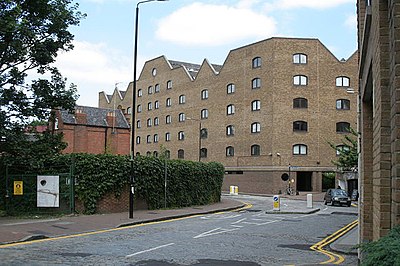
[(132, 179), (188, 118)]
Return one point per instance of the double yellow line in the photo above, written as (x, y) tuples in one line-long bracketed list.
[(333, 258)]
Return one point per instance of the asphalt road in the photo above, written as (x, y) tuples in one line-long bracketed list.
[(247, 237)]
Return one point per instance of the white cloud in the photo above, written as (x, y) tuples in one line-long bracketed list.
[(313, 4), (201, 24), (94, 68), (351, 22)]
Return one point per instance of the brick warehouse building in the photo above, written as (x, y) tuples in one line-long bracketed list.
[(270, 109), (94, 130), (379, 49)]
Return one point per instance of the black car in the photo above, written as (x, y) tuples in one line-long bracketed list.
[(337, 196)]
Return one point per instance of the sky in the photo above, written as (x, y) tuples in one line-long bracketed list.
[(191, 31)]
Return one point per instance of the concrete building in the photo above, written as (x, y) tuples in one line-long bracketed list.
[(379, 75), (271, 109)]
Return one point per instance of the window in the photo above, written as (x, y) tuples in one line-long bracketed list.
[(342, 104), (140, 93), (341, 148), (342, 127), (203, 153), (204, 94), (181, 117), (167, 136), (139, 108), (256, 83), (138, 124), (168, 154), (300, 103), (182, 99), (299, 149), (155, 153), (156, 121), (148, 138), (300, 126), (230, 130), (168, 119), (138, 140), (300, 80), (230, 109), (181, 135), (157, 88), (169, 84), (203, 133), (299, 59), (256, 105), (230, 151), (168, 102), (156, 104), (342, 81), (256, 62), (256, 127), (128, 110), (149, 122), (255, 150), (149, 106), (148, 153), (181, 154), (155, 138), (150, 90), (230, 88), (204, 114)]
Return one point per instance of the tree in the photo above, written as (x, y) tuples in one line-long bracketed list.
[(32, 33), (348, 153)]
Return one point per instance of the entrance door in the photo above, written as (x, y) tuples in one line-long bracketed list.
[(304, 181)]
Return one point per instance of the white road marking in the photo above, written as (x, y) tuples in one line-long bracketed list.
[(239, 221), (215, 231), (148, 250), (220, 217)]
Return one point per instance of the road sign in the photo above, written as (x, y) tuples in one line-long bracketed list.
[(18, 187), (277, 203)]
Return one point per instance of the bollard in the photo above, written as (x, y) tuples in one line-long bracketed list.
[(277, 203), (233, 190), (309, 201)]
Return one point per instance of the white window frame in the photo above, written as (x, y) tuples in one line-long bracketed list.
[(299, 58), (300, 80), (256, 83), (230, 109), (256, 105), (256, 127), (300, 149)]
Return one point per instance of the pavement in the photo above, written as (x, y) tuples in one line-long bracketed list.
[(14, 230)]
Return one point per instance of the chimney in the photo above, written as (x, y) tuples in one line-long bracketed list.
[(111, 121), (80, 116)]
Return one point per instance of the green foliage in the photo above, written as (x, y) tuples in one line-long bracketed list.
[(385, 251), (32, 33), (348, 157)]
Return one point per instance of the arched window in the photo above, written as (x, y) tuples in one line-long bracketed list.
[(148, 139), (299, 149), (230, 151), (203, 153), (181, 154), (155, 153), (139, 108), (230, 88), (341, 148), (140, 93), (168, 102), (203, 133), (299, 59), (230, 109), (181, 117), (342, 104), (300, 126), (342, 127), (150, 90), (138, 124), (167, 136), (204, 114), (230, 130), (255, 150), (168, 154), (256, 105), (148, 153), (168, 119), (157, 88), (156, 104), (155, 138), (181, 135), (300, 80), (256, 62), (182, 99), (255, 127), (138, 140), (204, 94), (256, 83), (342, 81), (156, 121), (149, 106), (169, 84), (149, 122), (300, 103), (129, 110)]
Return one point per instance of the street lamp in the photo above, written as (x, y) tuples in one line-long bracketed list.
[(132, 179), (188, 118)]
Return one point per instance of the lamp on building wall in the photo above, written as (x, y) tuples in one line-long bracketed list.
[(198, 120), (132, 179)]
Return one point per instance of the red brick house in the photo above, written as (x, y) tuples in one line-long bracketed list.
[(94, 130)]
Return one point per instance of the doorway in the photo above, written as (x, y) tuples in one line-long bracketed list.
[(304, 181)]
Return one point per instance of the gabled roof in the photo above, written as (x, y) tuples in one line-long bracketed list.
[(95, 117), (192, 69)]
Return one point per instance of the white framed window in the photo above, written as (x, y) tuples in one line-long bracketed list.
[(148, 139), (138, 140), (168, 119), (156, 105), (256, 62), (167, 136), (255, 150), (182, 99), (181, 117), (149, 106), (204, 94), (155, 153), (169, 84), (129, 110), (230, 88), (156, 121), (256, 105), (150, 90), (230, 109), (155, 138), (299, 149), (157, 88), (139, 108), (342, 81), (168, 102), (342, 104), (256, 83), (230, 151), (230, 130), (255, 127), (181, 135), (300, 80), (299, 58), (149, 122), (138, 124), (204, 114), (148, 153), (140, 93)]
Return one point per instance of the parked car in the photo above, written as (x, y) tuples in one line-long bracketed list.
[(337, 196)]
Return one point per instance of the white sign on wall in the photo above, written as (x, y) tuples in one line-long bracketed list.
[(48, 191)]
